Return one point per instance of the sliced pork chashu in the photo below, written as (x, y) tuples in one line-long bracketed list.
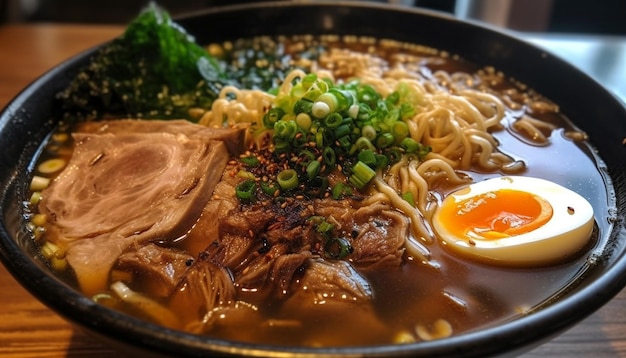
[(127, 188), (232, 137)]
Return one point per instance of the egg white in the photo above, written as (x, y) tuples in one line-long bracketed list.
[(563, 235)]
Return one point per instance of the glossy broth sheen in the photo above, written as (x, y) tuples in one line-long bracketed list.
[(467, 294)]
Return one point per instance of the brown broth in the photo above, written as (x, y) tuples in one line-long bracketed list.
[(467, 294)]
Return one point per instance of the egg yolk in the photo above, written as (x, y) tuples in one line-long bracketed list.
[(496, 214)]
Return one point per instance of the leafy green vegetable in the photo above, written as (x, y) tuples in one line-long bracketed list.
[(154, 69)]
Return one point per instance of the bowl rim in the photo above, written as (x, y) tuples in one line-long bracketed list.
[(118, 326)]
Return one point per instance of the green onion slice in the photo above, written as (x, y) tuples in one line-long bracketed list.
[(361, 175), (368, 157), (328, 154), (340, 190), (251, 161), (287, 179), (273, 116), (337, 248), (269, 188), (245, 189), (312, 169), (333, 120)]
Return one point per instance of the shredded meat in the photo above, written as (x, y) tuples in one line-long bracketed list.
[(164, 267), (268, 246), (207, 288)]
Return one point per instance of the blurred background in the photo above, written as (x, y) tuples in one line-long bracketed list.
[(589, 34), (554, 16)]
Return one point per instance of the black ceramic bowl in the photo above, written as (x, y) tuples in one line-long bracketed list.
[(584, 101)]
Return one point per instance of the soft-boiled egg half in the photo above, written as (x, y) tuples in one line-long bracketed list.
[(514, 221)]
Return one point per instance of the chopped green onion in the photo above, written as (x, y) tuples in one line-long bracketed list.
[(308, 80), (393, 97), (333, 120), (361, 144), (344, 99), (393, 155), (50, 250), (381, 161), (409, 145), (302, 106), (330, 100), (337, 248), (313, 169), (304, 121), (407, 110), (319, 138), (368, 95), (245, 189), (282, 147), (251, 161), (285, 129), (368, 157), (35, 198), (339, 190), (245, 174), (408, 197), (424, 150), (269, 188), (400, 131), (297, 91), (39, 183), (287, 179), (365, 112), (325, 84), (307, 156), (384, 140), (315, 219), (345, 142), (342, 130), (324, 227), (272, 116), (105, 299), (320, 109), (51, 165), (300, 139), (317, 186), (361, 175), (368, 132), (39, 219), (328, 154), (353, 111), (312, 93)]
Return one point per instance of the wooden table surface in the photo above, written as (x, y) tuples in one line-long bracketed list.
[(29, 329)]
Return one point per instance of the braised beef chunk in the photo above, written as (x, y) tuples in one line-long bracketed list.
[(128, 188), (376, 232), (338, 299), (161, 268), (333, 281)]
